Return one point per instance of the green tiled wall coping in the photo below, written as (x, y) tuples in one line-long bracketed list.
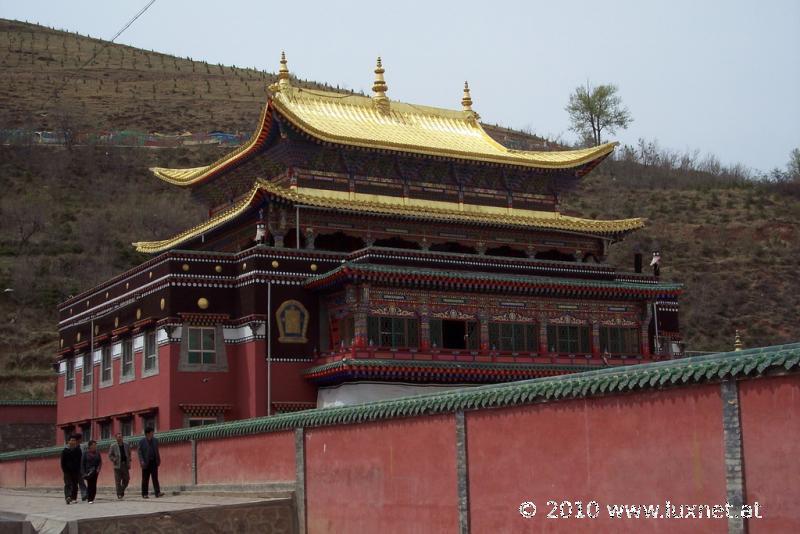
[(700, 369)]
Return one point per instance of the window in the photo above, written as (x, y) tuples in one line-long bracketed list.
[(126, 427), (105, 366), (568, 339), (87, 370), (127, 358), (202, 421), (393, 332), (149, 421), (150, 351), (202, 346), (69, 377), (449, 334), (86, 430), (105, 430), (516, 337), (68, 431), (619, 340)]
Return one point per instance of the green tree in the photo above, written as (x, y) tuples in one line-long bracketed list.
[(593, 110), (793, 167)]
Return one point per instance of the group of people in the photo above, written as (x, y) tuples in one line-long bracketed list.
[(81, 466)]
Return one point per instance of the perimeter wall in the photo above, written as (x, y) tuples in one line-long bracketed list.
[(701, 431)]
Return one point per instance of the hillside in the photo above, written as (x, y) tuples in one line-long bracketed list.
[(69, 213)]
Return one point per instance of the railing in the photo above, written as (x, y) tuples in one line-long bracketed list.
[(669, 347)]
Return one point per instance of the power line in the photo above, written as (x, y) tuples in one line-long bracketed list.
[(110, 41)]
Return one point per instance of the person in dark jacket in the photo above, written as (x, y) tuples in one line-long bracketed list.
[(149, 460), (71, 467), (91, 462)]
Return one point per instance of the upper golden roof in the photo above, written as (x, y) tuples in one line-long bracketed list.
[(408, 207), (380, 123)]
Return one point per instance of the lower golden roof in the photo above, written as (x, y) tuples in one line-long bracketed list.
[(402, 207)]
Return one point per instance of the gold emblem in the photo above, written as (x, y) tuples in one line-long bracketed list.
[(202, 303), (292, 318)]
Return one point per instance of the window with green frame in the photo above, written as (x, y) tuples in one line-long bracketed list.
[(619, 340), (394, 332), (202, 345), (516, 337), (569, 339)]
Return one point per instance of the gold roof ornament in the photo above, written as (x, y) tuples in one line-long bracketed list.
[(379, 88), (283, 72), (737, 342), (466, 105), (466, 100)]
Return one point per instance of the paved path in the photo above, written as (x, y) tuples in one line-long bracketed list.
[(48, 513)]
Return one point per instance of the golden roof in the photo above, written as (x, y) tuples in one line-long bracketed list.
[(380, 123), (356, 120), (414, 208)]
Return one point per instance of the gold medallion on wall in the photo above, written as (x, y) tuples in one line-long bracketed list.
[(292, 318)]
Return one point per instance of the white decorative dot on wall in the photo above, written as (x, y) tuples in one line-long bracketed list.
[(314, 267), (78, 336), (116, 322), (163, 303), (275, 264), (244, 266), (185, 267), (138, 313), (218, 268), (151, 274)]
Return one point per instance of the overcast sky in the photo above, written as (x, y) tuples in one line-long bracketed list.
[(722, 76)]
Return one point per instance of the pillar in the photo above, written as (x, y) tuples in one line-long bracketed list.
[(595, 339)]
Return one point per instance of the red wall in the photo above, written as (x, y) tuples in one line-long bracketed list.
[(770, 413), (246, 460), (389, 476), (28, 414), (643, 448), (400, 475)]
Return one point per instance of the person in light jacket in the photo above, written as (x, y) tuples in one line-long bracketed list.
[(119, 454), (91, 463), (149, 460)]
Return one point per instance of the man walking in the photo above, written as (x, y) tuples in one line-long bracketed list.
[(71, 467), (119, 454), (91, 463), (81, 482), (149, 459)]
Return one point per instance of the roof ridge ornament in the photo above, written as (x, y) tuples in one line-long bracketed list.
[(466, 104), (379, 88), (283, 72), (466, 100)]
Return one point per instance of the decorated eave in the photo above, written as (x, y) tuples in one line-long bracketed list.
[(377, 123), (423, 371), (467, 280), (423, 210)]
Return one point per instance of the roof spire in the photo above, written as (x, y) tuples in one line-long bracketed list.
[(466, 100), (283, 72), (737, 342), (379, 88)]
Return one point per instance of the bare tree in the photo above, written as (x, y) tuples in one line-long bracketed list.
[(595, 109)]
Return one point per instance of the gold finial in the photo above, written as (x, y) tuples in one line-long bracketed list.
[(466, 100), (379, 88), (737, 342), (283, 72)]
